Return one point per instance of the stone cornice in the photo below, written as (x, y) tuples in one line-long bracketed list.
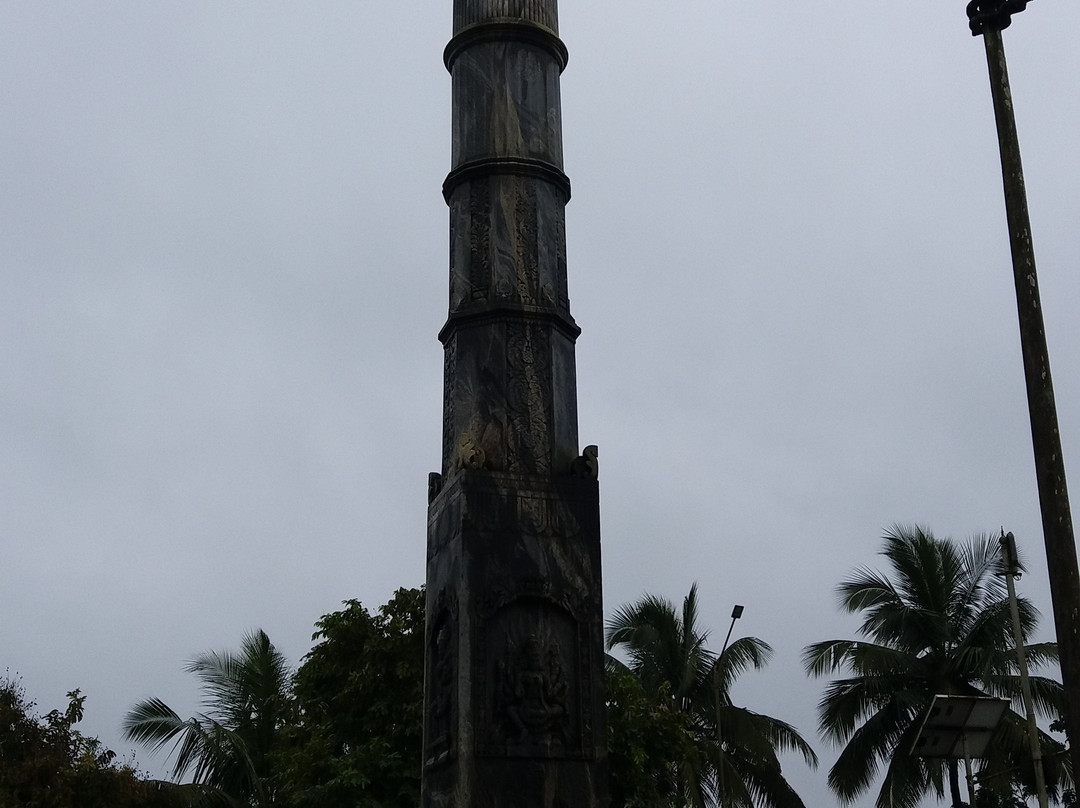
[(519, 166), (502, 30)]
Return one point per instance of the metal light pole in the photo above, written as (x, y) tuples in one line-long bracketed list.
[(988, 18), (736, 613), (1010, 561)]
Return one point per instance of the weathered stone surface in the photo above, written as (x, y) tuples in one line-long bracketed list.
[(513, 90), (513, 693), (470, 12), (514, 643), (508, 245), (509, 400)]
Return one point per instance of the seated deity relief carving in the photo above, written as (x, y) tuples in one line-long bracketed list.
[(532, 681), (532, 692)]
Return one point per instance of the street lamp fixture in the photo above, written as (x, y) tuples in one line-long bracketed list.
[(984, 15)]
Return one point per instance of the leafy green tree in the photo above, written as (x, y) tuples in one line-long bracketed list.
[(46, 763), (226, 749), (355, 737), (356, 733), (646, 737), (997, 798), (730, 758), (939, 624)]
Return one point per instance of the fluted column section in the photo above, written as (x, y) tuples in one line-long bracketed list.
[(510, 376), (538, 12)]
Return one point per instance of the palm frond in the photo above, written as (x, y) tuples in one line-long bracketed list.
[(979, 583), (740, 656), (1048, 696), (661, 645), (224, 749), (826, 657), (615, 665), (867, 748), (907, 777), (665, 649), (990, 627), (759, 781), (153, 722), (865, 590), (938, 622), (846, 702), (1041, 653), (220, 676), (778, 736)]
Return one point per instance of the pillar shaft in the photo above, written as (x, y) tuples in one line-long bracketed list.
[(514, 661)]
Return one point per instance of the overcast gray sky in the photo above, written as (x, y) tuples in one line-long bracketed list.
[(223, 264)]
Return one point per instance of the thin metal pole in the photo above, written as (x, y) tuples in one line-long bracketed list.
[(736, 613), (1046, 442), (1012, 566), (967, 770)]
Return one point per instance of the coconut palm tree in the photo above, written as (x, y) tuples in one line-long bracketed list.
[(225, 748), (938, 624), (732, 758)]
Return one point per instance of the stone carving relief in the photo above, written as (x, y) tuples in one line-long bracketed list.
[(546, 517), (533, 513), (440, 714), (531, 692), (478, 422), (525, 239), (501, 246), (532, 682), (574, 603), (459, 287), (479, 238), (505, 270), (528, 398), (586, 467), (470, 454)]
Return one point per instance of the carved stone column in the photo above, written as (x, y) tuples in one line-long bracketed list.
[(513, 695)]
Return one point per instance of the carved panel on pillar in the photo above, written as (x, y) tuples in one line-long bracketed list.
[(529, 397), (440, 713), (534, 682), (544, 515), (479, 239), (525, 239)]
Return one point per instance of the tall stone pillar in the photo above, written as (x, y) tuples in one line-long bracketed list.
[(513, 714)]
